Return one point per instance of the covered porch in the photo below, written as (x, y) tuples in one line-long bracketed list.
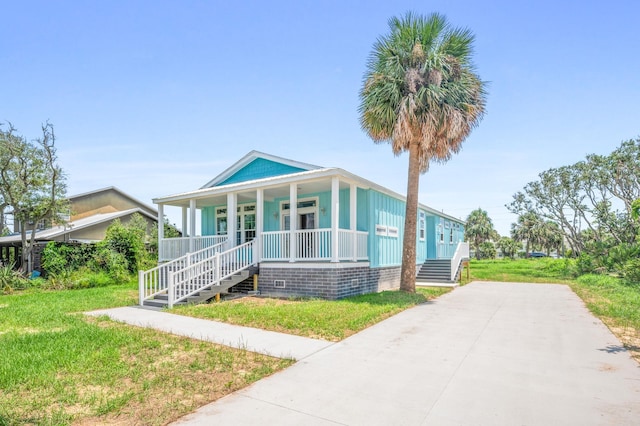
[(326, 227)]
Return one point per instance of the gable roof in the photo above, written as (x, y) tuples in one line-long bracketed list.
[(77, 225), (144, 206), (258, 164)]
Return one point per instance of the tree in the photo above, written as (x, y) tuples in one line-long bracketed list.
[(527, 228), (508, 247), (421, 95), (32, 184), (550, 237), (479, 229), (486, 250), (635, 209), (587, 196)]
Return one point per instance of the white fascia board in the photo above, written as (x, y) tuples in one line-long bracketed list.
[(306, 176)]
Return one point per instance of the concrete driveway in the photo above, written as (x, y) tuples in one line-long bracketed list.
[(485, 354)]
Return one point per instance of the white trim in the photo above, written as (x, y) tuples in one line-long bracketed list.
[(312, 265), (297, 178), (300, 210)]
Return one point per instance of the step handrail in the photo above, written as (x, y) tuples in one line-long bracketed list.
[(209, 272), (462, 252), (155, 280)]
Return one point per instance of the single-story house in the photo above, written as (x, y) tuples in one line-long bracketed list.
[(304, 230), (90, 215)]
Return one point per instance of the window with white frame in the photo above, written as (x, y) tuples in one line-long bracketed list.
[(422, 226)]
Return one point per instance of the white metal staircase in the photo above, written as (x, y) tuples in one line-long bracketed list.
[(197, 276)]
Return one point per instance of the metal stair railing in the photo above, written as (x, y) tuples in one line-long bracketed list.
[(209, 272), (155, 280)]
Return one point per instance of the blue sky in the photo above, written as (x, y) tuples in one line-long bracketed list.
[(158, 97)]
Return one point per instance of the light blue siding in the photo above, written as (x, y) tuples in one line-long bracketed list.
[(258, 169), (389, 212), (208, 220)]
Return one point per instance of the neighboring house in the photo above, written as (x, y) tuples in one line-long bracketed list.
[(345, 237), (91, 214)]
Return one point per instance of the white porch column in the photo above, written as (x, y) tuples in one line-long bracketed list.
[(335, 218), (353, 217), (293, 220), (160, 231), (185, 227), (259, 223), (192, 224), (232, 219)]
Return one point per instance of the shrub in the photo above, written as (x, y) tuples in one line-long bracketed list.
[(486, 250), (127, 241), (59, 257), (631, 271), (585, 264), (112, 262), (11, 279)]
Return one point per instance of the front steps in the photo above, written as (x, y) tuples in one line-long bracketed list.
[(162, 300), (435, 272)]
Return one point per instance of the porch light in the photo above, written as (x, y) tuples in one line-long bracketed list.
[(323, 211), (275, 215)]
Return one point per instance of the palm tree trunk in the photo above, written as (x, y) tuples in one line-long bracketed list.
[(408, 271)]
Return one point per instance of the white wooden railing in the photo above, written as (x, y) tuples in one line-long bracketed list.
[(155, 281), (173, 248), (352, 245), (461, 253), (209, 272), (314, 245)]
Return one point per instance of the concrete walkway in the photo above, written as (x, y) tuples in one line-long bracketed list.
[(485, 354), (252, 339)]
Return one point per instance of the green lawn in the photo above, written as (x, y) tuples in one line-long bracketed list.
[(323, 319), (58, 366), (540, 270)]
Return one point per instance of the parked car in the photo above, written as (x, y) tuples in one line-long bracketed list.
[(537, 254)]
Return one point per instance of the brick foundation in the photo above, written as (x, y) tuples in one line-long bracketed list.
[(326, 281)]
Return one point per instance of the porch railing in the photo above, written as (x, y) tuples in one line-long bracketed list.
[(155, 280), (208, 272), (446, 250), (346, 248), (172, 248), (314, 245), (462, 252)]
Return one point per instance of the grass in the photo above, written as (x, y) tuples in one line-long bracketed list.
[(609, 298), (539, 270), (58, 366), (322, 319)]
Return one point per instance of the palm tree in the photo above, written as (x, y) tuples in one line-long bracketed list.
[(479, 229), (421, 95), (528, 228), (550, 236)]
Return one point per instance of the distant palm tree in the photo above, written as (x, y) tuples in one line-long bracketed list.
[(550, 236), (508, 247), (479, 229), (421, 94), (528, 228)]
